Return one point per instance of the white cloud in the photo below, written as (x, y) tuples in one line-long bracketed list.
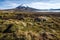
[(45, 4), (42, 5), (55, 1), (9, 4)]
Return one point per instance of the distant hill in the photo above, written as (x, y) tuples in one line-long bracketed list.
[(54, 9), (23, 9)]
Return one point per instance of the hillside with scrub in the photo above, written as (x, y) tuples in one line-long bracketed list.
[(29, 26)]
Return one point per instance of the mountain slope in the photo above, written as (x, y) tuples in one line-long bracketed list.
[(22, 8), (26, 8)]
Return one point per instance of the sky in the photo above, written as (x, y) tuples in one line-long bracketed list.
[(38, 4)]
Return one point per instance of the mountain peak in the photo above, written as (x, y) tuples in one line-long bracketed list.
[(22, 6)]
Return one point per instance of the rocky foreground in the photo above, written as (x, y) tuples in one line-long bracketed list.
[(20, 26)]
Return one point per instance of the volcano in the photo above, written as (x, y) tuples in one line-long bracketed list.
[(23, 8)]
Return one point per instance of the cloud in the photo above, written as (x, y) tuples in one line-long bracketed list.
[(39, 4), (55, 1), (42, 5), (8, 5)]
